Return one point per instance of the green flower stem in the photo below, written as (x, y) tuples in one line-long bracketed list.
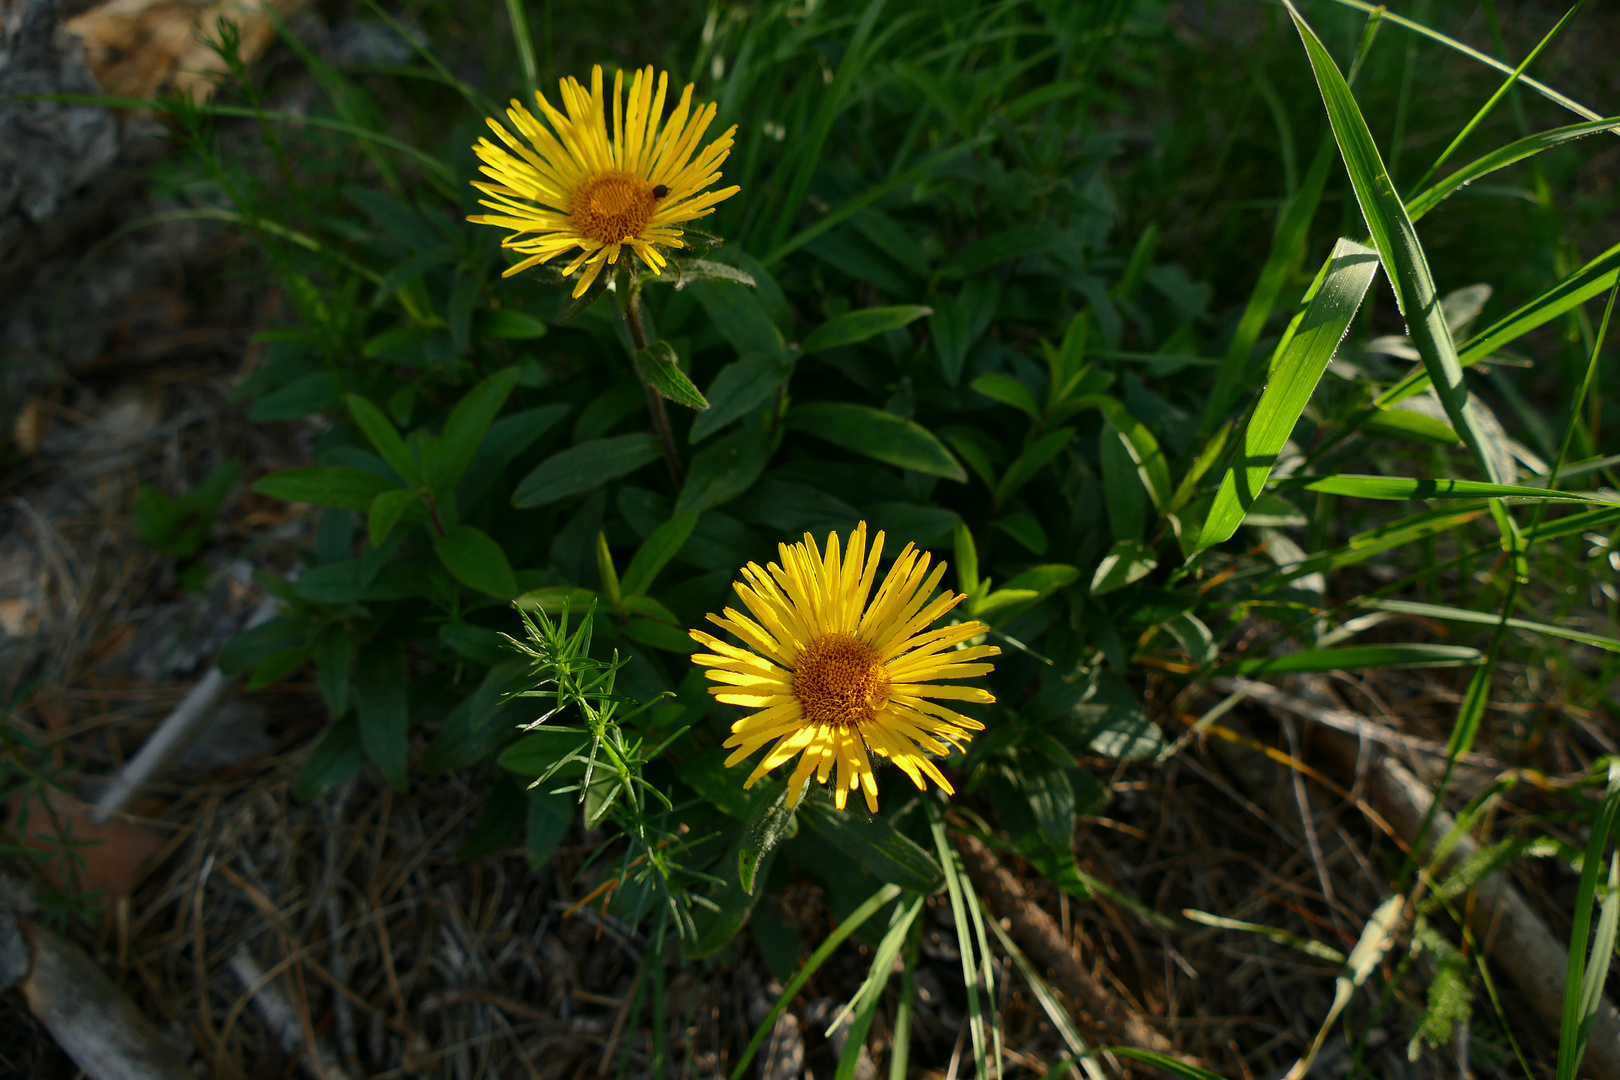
[(655, 401)]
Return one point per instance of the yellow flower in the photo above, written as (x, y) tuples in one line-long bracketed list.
[(573, 186), (835, 679)]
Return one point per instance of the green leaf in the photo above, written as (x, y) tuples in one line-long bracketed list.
[(379, 695), (1358, 657), (386, 510), (660, 635), (476, 561), (736, 312), (303, 397), (948, 326), (498, 821), (549, 815), (878, 434), (742, 387), (660, 368), (1144, 448), (771, 822), (547, 750), (705, 772), (1583, 988), (465, 428), (1126, 561), (863, 323), (504, 323), (336, 486), (1407, 487), (1008, 391), (1398, 247), (331, 761), (722, 472), (334, 650), (888, 854), (1035, 457), (1165, 1063), (1298, 366), (251, 647), (1024, 529), (385, 437), (1123, 493), (555, 599), (1401, 424), (584, 467), (656, 551)]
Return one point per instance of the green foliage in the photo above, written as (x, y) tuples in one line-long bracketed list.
[(1150, 437)]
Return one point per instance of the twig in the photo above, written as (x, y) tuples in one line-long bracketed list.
[(178, 729), (283, 1021)]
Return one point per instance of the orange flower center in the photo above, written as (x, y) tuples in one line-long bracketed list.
[(612, 207), (840, 680)]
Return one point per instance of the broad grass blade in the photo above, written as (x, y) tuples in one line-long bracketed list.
[(1294, 375), (1583, 989), (1398, 246)]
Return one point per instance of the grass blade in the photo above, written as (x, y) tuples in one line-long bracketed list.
[(1501, 158), (1410, 487), (1398, 247), (1474, 54), (1163, 1062), (1357, 657), (1302, 357), (1376, 938), (1049, 1003), (1451, 614), (873, 903), (1583, 990), (956, 886), (1501, 91)]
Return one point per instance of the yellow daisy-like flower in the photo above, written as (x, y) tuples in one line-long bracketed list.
[(574, 186), (836, 679)]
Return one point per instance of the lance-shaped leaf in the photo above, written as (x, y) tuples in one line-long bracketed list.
[(1398, 246), (660, 368), (1301, 359)]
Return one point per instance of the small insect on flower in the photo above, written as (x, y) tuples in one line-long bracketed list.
[(571, 186), (836, 680)]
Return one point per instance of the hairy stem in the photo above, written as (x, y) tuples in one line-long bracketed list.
[(655, 402)]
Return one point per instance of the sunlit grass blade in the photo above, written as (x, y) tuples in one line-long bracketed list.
[(1501, 158), (1163, 1062), (1451, 614), (1287, 245), (872, 906), (1301, 359), (1356, 658), (1410, 487), (957, 887), (1590, 280), (1398, 247), (863, 1005), (1049, 1003), (1474, 54), (1277, 934), (1501, 91), (1583, 990)]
